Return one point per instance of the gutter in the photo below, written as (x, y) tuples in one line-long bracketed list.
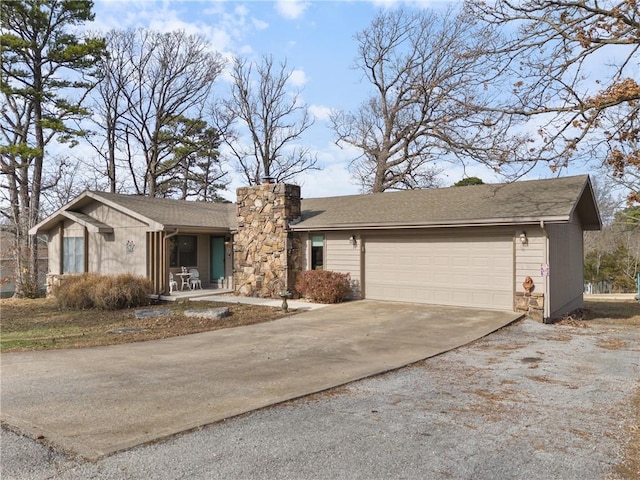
[(546, 314), (166, 266), (394, 226)]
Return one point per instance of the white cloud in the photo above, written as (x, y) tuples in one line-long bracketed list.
[(320, 112), (333, 180), (259, 24), (291, 9), (298, 78)]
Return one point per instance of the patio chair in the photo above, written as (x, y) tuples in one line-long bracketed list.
[(173, 285), (195, 279)]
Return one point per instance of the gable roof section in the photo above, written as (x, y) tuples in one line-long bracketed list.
[(158, 213), (85, 220), (168, 213), (551, 200), (557, 200)]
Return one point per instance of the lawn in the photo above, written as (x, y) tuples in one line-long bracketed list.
[(612, 312), (38, 324)]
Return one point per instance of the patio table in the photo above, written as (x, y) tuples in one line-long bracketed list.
[(185, 276)]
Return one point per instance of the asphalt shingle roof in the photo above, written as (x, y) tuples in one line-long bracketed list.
[(517, 202), (551, 200), (176, 213)]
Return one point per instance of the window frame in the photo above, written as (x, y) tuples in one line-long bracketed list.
[(314, 249), (73, 255), (177, 255)]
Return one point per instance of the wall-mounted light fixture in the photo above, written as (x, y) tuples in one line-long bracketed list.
[(353, 241), (523, 238)]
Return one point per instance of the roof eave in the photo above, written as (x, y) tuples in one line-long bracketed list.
[(153, 224), (195, 229), (587, 201), (56, 216), (92, 225), (495, 222)]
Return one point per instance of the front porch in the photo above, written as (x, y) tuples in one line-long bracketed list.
[(197, 293), (176, 257)]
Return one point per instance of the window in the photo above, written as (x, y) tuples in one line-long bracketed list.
[(184, 251), (317, 252), (73, 255)]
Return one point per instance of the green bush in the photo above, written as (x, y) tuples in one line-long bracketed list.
[(324, 286), (102, 292)]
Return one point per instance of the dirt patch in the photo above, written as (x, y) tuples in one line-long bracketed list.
[(618, 312), (38, 324), (612, 344), (572, 321), (630, 468)]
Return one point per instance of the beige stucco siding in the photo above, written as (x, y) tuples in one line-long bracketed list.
[(228, 264), (497, 268), (529, 258), (53, 251), (344, 257), (107, 252), (122, 251), (566, 278), (305, 262)]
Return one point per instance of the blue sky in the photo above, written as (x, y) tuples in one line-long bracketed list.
[(317, 41)]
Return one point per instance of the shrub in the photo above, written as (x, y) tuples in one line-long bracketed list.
[(102, 292), (324, 286)]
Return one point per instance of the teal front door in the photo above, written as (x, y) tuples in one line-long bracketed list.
[(217, 259)]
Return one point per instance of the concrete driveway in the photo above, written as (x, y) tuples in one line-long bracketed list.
[(98, 401)]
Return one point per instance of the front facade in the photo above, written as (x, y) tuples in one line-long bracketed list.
[(481, 267), (113, 234), (471, 246)]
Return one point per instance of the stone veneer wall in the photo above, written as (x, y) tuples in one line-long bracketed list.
[(266, 255), (532, 304)]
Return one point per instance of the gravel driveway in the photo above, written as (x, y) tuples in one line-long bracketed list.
[(530, 401)]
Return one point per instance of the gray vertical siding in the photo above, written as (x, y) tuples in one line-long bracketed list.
[(567, 271), (529, 258), (108, 253), (54, 251), (305, 252), (344, 257)]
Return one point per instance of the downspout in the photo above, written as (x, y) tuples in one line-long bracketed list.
[(547, 307), (165, 266)]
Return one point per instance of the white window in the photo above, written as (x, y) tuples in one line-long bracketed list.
[(73, 255), (184, 251), (317, 252)]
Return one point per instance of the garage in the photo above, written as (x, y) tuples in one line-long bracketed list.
[(471, 271)]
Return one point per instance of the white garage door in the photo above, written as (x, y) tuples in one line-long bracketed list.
[(470, 272)]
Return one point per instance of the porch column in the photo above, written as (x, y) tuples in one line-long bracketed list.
[(156, 262)]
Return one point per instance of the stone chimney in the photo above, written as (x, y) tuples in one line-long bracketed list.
[(266, 254)]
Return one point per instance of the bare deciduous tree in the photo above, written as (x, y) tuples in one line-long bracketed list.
[(110, 105), (150, 80), (273, 118), (427, 86), (570, 67), (46, 72)]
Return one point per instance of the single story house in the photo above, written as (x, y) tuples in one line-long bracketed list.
[(514, 246)]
